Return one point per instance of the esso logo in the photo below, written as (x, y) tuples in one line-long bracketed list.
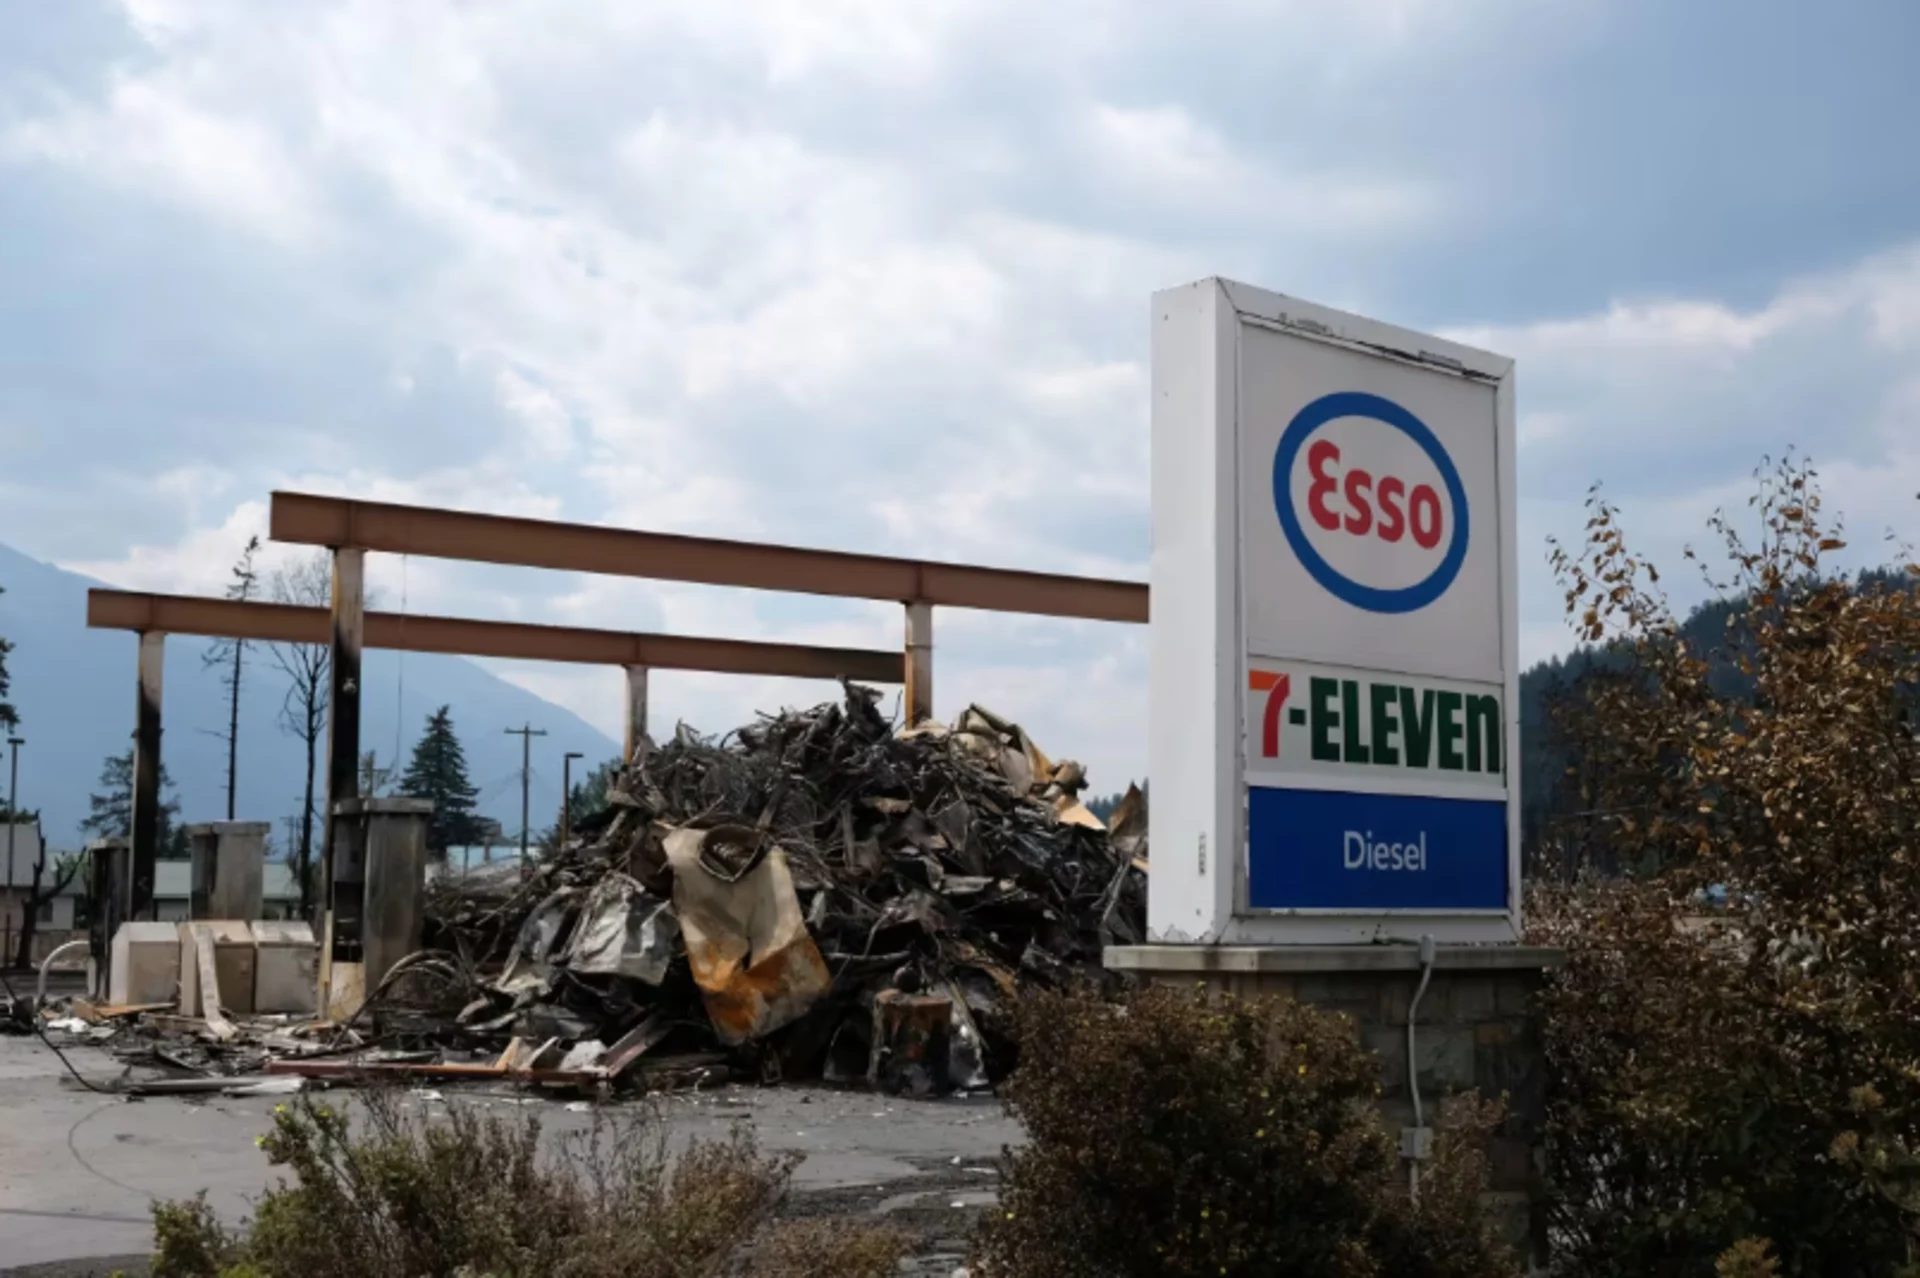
[(1370, 502)]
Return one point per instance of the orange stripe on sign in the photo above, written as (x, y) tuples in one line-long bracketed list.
[(1270, 722), (1262, 680)]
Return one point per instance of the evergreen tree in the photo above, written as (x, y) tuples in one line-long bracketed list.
[(9, 718), (439, 772), (111, 814)]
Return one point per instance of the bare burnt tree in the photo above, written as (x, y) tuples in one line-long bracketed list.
[(229, 656), (303, 710), (39, 892), (306, 582)]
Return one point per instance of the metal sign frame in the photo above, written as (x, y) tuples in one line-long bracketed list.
[(1200, 889)]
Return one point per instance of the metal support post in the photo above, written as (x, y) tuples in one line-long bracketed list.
[(13, 814), (146, 774), (343, 731), (566, 795), (637, 738), (919, 701)]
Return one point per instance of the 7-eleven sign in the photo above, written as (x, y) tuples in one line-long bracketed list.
[(1276, 688), (1326, 719)]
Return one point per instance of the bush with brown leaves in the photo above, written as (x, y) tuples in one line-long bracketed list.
[(1177, 1136), (1733, 1043)]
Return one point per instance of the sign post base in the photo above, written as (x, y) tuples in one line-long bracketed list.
[(1474, 1032)]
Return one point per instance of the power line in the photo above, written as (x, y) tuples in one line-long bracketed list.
[(526, 733)]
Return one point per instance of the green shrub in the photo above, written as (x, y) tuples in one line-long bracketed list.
[(472, 1196), (1172, 1136), (188, 1240)]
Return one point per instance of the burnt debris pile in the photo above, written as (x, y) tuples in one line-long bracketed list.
[(816, 895)]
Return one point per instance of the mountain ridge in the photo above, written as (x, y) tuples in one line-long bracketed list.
[(74, 689)]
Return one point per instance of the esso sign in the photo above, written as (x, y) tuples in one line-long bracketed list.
[(1370, 502)]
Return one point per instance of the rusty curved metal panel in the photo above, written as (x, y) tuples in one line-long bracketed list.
[(755, 962)]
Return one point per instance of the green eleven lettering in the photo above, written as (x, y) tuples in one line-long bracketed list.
[(1320, 695), (1416, 711), (1385, 698), (1354, 750), (1396, 726), (1450, 732)]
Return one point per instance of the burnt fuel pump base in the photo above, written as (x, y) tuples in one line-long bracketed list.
[(378, 896)]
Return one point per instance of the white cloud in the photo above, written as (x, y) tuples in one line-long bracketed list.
[(1167, 157), (854, 274), (149, 137), (549, 424), (1672, 404), (199, 563)]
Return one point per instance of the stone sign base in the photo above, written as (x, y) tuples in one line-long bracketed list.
[(1474, 1032)]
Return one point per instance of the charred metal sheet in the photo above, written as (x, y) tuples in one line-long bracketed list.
[(624, 930), (745, 934)]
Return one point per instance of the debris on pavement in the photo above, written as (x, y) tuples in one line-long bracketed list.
[(817, 895)]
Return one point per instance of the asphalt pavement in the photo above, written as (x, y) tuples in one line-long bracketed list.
[(79, 1171)]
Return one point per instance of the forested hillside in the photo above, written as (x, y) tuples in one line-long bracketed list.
[(1551, 804)]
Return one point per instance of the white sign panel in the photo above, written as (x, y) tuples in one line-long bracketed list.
[(1362, 504), (1334, 627)]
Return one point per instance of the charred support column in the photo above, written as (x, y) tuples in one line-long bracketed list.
[(919, 662), (343, 735), (637, 738), (146, 774)]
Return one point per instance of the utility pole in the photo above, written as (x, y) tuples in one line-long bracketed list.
[(566, 794), (526, 733), (13, 821)]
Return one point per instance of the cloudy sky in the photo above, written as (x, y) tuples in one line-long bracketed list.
[(873, 275)]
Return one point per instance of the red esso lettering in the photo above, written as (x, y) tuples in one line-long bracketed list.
[(1399, 512)]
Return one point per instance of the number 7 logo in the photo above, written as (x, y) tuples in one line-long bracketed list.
[(1276, 686)]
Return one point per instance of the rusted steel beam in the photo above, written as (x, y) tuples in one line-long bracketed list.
[(919, 663), (537, 543), (286, 623), (146, 774), (636, 710)]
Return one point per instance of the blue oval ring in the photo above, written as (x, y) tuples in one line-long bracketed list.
[(1360, 404)]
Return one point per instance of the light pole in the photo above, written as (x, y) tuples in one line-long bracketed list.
[(13, 820), (566, 794)]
